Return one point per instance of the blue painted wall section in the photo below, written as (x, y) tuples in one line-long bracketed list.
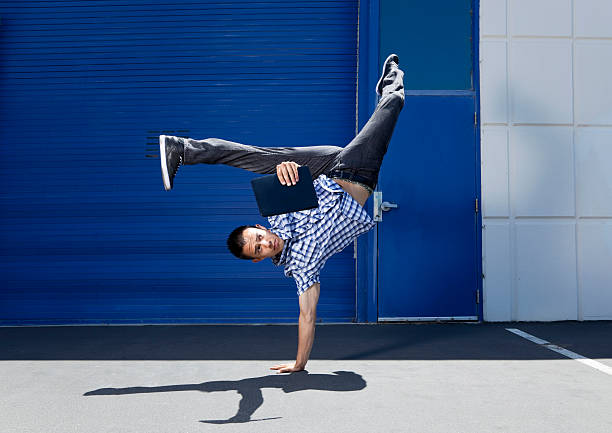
[(433, 39), (476, 80), (368, 74)]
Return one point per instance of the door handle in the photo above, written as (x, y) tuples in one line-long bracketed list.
[(386, 206), (381, 206)]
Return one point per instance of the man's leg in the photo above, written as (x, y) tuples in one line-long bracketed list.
[(361, 159), (262, 160)]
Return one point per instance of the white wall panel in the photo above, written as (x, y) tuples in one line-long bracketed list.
[(497, 284), (594, 262), (546, 271), (592, 18), (541, 171), (541, 81), (493, 82), (594, 172), (541, 17), (546, 151), (593, 82), (494, 157), (493, 17)]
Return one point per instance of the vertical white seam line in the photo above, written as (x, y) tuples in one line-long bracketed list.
[(561, 350), (511, 227), (579, 313)]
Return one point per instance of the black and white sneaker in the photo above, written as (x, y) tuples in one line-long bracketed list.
[(171, 155), (393, 58)]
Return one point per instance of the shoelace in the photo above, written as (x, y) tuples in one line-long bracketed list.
[(178, 165)]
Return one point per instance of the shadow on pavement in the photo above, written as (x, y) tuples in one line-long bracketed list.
[(250, 389), (402, 341)]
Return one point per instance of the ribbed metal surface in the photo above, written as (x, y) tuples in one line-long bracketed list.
[(88, 233)]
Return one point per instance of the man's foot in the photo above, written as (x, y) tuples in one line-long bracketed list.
[(393, 58), (171, 156)]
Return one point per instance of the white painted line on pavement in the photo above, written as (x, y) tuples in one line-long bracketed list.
[(573, 355)]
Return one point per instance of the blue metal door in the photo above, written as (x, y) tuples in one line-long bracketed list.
[(427, 247), (88, 233)]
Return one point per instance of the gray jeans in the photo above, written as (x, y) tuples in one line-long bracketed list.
[(359, 161)]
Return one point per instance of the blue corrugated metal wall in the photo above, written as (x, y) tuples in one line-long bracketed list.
[(88, 234)]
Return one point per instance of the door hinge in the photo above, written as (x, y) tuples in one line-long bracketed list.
[(475, 118), (477, 297), (476, 205)]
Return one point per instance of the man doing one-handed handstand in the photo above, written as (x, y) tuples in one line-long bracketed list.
[(344, 178)]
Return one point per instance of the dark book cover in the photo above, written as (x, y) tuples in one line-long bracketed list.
[(275, 199)]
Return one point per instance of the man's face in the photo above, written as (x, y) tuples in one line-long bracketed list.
[(261, 243)]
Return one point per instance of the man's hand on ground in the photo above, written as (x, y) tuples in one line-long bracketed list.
[(286, 368), (287, 173)]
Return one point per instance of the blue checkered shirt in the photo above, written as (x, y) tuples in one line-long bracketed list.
[(313, 236)]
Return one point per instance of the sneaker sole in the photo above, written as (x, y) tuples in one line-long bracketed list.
[(164, 166), (382, 74)]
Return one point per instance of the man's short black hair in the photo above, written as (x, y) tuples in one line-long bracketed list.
[(235, 242)]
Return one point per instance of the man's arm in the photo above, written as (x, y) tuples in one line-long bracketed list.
[(287, 173), (308, 318), (306, 330)]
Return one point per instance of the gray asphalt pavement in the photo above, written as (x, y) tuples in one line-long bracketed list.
[(361, 378)]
